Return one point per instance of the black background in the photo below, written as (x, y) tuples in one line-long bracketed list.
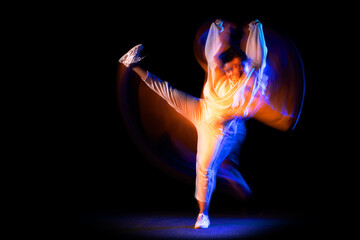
[(97, 165)]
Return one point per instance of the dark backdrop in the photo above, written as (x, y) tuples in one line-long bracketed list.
[(99, 168)]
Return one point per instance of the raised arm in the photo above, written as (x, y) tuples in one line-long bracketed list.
[(213, 44), (256, 48)]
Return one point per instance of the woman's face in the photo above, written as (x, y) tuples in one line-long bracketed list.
[(234, 69)]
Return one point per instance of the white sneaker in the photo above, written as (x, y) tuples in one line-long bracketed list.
[(202, 221), (132, 56)]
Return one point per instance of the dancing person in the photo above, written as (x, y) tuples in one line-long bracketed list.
[(234, 91)]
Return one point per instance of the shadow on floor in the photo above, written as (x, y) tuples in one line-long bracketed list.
[(180, 226)]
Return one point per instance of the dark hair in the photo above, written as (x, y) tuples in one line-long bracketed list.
[(232, 53)]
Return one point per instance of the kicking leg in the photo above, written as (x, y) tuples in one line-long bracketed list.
[(182, 102)]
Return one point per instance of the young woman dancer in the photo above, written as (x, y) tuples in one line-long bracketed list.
[(235, 90)]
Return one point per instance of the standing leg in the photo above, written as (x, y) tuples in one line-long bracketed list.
[(205, 177), (206, 146), (212, 150)]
